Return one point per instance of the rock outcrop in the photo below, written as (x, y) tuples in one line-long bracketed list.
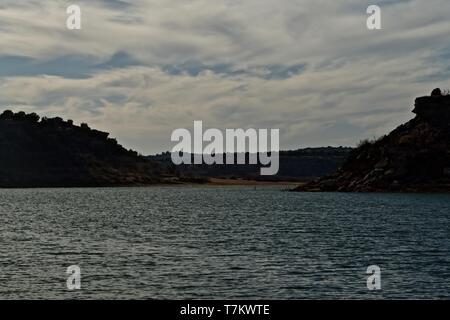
[(415, 157), (45, 152)]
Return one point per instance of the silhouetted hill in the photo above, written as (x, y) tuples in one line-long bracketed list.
[(295, 165), (52, 152), (415, 157), (57, 153)]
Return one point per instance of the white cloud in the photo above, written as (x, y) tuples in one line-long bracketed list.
[(356, 83)]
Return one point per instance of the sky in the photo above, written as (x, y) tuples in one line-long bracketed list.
[(140, 69)]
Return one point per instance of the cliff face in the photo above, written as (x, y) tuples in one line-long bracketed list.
[(56, 153), (415, 157)]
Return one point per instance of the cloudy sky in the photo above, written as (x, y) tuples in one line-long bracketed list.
[(142, 68)]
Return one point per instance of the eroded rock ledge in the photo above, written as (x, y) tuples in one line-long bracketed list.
[(415, 157)]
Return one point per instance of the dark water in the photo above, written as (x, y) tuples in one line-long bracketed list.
[(222, 242)]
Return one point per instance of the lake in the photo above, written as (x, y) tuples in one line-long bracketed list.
[(214, 242)]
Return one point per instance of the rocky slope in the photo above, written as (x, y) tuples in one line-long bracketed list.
[(45, 152), (415, 157)]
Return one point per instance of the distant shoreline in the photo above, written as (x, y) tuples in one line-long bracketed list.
[(210, 182), (242, 182)]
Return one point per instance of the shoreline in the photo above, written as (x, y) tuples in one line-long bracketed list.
[(242, 182), (210, 182)]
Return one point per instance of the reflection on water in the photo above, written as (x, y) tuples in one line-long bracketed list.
[(222, 242)]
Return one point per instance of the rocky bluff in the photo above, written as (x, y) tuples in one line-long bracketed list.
[(52, 152), (415, 157)]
